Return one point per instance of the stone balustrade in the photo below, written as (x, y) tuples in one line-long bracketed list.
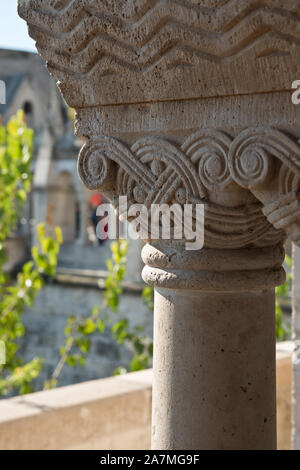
[(113, 413)]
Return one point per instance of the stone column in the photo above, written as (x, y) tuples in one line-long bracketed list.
[(190, 103), (296, 355), (214, 350)]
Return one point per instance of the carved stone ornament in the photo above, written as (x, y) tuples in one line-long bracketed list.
[(97, 49), (155, 171), (125, 51), (187, 101)]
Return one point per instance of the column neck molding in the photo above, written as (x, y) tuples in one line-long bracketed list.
[(248, 269)]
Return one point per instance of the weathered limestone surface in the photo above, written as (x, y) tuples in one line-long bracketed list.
[(120, 51), (188, 102)]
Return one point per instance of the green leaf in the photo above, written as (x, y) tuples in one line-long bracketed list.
[(138, 363), (120, 371), (101, 325), (59, 235), (73, 360), (88, 327)]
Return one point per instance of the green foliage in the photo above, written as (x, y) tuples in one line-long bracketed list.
[(21, 378), (16, 148), (283, 328), (106, 318), (103, 319), (148, 297)]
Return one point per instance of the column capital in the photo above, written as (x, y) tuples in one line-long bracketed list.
[(122, 65), (250, 184)]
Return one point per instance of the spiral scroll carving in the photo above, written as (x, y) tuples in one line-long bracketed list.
[(252, 156), (94, 165), (259, 157), (155, 171), (209, 149), (288, 180)]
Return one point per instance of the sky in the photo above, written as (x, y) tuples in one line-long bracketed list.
[(13, 30)]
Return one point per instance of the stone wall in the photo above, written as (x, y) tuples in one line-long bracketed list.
[(45, 324), (113, 413)]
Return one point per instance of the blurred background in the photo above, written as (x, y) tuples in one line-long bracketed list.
[(81, 282)]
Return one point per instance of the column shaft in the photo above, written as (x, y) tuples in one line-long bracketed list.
[(214, 370), (214, 346)]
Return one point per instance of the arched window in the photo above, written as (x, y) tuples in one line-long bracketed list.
[(28, 110), (27, 107)]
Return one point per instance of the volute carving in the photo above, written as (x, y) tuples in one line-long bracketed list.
[(265, 161), (107, 53)]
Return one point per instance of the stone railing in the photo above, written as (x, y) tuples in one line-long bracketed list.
[(113, 413)]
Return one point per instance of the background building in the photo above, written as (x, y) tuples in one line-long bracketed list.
[(59, 197)]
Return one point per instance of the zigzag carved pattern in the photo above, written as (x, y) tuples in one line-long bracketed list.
[(101, 49), (135, 10), (167, 28), (163, 11)]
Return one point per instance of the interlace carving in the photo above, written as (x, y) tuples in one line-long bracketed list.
[(155, 171)]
